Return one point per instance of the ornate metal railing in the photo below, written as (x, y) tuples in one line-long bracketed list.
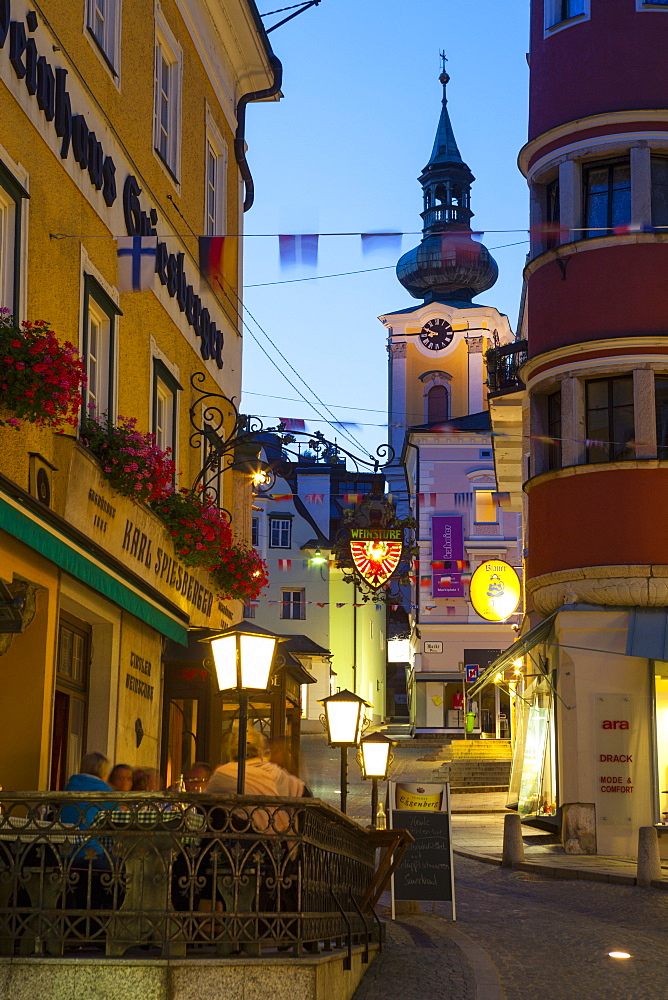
[(191, 875), (503, 366)]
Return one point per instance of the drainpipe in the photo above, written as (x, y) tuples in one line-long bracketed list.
[(240, 134)]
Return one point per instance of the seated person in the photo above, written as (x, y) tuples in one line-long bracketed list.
[(197, 776), (261, 778), (92, 777), (121, 778), (147, 779)]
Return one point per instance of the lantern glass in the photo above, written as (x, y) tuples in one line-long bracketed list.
[(375, 755), (224, 652), (344, 721), (257, 654)]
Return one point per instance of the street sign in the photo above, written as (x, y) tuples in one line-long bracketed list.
[(472, 672), (433, 647)]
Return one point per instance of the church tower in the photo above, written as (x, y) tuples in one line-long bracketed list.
[(439, 428), (436, 347)]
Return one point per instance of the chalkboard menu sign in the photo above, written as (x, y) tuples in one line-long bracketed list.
[(425, 871)]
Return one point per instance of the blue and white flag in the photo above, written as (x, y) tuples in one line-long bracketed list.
[(136, 262), (390, 241), (296, 250)]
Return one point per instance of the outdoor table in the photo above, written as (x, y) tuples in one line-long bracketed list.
[(393, 845)]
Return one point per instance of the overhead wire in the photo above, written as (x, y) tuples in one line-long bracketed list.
[(333, 423), (364, 270)]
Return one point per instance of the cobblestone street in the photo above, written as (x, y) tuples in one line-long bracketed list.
[(518, 935)]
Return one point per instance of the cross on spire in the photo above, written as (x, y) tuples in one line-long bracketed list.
[(444, 59)]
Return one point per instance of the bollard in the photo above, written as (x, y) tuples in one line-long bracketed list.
[(649, 862), (513, 845)]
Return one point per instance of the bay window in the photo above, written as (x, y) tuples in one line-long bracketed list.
[(607, 197), (609, 419)]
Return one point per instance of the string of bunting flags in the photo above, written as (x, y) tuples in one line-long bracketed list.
[(137, 255), (315, 498)]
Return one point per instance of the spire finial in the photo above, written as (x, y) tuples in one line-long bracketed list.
[(444, 77)]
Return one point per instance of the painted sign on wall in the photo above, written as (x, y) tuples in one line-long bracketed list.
[(616, 757)]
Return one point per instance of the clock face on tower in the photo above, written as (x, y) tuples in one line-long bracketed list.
[(436, 334)]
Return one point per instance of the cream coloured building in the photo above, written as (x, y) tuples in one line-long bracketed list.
[(117, 118)]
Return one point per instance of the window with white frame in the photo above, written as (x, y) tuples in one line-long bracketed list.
[(11, 195), (167, 97), (103, 21), (216, 169), (486, 508), (652, 5), (165, 400), (99, 337), (255, 531), (280, 531), (559, 11), (293, 604)]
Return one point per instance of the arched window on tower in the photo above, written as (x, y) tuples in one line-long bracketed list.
[(437, 404)]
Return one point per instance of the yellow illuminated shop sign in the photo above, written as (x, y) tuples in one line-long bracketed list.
[(495, 590)]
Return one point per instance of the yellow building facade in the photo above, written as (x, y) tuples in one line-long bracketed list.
[(117, 119)]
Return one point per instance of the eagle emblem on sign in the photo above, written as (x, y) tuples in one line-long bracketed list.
[(376, 560)]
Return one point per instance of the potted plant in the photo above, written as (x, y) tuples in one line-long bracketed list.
[(241, 574), (41, 379), (131, 461), (201, 531)]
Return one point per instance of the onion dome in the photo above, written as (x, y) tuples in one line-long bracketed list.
[(448, 265)]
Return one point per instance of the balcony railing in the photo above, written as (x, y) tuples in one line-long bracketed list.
[(189, 875), (503, 365)]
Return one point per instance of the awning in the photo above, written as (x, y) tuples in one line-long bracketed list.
[(648, 633), (85, 567), (539, 633)]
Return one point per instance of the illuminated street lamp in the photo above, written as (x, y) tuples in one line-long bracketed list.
[(375, 758), (244, 656), (344, 720)]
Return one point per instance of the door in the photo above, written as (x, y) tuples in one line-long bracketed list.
[(70, 706)]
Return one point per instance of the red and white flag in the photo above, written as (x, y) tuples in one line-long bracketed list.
[(293, 425), (284, 564), (314, 497), (427, 499)]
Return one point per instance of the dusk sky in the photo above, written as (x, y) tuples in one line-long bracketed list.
[(342, 152)]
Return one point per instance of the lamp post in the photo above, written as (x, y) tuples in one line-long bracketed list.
[(375, 759), (243, 656), (343, 719)]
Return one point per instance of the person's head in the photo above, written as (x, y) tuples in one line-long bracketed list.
[(256, 744), (121, 778), (279, 751), (197, 776), (96, 764), (146, 779)]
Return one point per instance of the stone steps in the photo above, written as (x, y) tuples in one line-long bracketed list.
[(465, 774)]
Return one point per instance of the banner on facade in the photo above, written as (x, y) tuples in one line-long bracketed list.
[(447, 546)]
